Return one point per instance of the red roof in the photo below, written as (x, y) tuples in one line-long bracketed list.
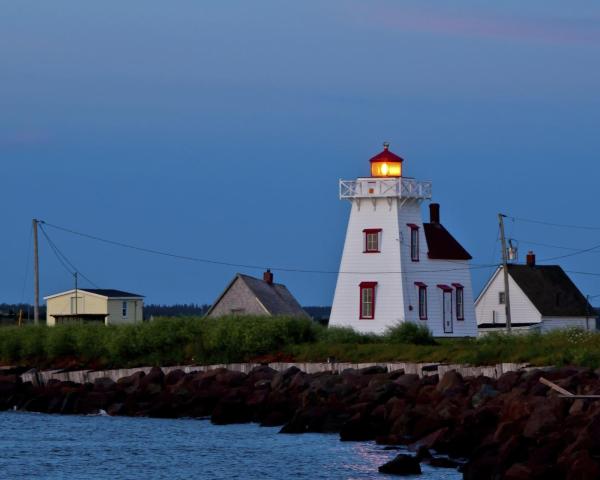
[(442, 245), (386, 156)]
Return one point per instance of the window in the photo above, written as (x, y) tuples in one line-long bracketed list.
[(414, 242), (371, 240), (460, 301), (124, 309), (501, 298), (367, 300), (422, 300)]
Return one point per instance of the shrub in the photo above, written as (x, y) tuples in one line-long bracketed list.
[(345, 335), (409, 332)]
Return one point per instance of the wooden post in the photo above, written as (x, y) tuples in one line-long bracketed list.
[(36, 275), (505, 269)]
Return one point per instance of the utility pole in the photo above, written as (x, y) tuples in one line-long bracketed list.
[(505, 269), (36, 275), (76, 300)]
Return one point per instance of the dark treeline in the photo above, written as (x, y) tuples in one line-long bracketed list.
[(176, 310), (10, 311)]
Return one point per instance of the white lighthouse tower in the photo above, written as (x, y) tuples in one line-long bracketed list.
[(396, 268)]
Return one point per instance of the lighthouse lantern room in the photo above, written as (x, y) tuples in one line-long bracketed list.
[(395, 267)]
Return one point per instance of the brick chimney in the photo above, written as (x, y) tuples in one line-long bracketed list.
[(268, 277), (434, 213), (530, 259)]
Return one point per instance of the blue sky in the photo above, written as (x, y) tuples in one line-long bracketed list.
[(220, 130)]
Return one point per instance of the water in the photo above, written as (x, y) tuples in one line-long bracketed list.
[(38, 446)]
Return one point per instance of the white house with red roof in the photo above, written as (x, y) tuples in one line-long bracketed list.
[(395, 267)]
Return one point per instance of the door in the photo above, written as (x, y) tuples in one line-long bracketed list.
[(447, 311)]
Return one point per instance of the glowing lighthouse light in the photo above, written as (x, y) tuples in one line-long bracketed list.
[(386, 164)]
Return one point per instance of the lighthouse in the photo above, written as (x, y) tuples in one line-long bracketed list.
[(395, 267)]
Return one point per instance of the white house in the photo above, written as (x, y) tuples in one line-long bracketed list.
[(542, 297), (110, 307), (395, 267)]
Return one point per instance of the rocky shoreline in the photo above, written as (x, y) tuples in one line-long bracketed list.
[(513, 427)]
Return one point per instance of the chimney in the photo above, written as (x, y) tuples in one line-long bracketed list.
[(434, 212), (268, 277), (530, 259)]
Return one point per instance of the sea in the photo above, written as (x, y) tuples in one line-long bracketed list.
[(56, 447)]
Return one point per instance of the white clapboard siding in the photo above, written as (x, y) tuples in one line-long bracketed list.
[(396, 296), (553, 323), (488, 307)]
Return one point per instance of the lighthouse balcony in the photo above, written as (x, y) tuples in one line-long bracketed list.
[(384, 188)]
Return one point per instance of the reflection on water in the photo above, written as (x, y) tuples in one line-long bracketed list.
[(54, 447)]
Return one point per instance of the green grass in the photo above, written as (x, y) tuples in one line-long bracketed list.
[(169, 341)]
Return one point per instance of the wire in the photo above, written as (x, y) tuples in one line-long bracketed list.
[(63, 259), (594, 274), (528, 242), (578, 252), (241, 265), (550, 224)]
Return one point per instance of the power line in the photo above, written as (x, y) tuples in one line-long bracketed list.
[(62, 258), (578, 252), (550, 224), (529, 242), (241, 265), (594, 274)]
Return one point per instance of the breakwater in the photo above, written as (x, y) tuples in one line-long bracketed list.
[(510, 427)]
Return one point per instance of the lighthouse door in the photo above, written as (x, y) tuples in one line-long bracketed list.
[(447, 311)]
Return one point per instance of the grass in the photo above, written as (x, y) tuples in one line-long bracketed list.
[(170, 341)]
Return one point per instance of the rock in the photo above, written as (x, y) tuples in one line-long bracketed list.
[(452, 383), (282, 379), (423, 453), (358, 430), (583, 467), (373, 370), (507, 381), (104, 384), (174, 376), (401, 465), (518, 471), (486, 391), (544, 417), (443, 462), (230, 378)]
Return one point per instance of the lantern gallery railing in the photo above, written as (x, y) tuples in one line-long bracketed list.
[(389, 187)]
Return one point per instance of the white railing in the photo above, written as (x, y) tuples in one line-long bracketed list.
[(388, 187)]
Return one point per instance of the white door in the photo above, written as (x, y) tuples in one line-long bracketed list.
[(447, 308)]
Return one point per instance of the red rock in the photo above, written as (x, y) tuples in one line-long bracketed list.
[(402, 465), (518, 472), (583, 467), (452, 383)]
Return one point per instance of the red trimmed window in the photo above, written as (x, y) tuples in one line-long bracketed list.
[(414, 242), (422, 288), (371, 242), (460, 301), (367, 300)]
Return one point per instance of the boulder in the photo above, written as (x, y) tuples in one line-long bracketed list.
[(104, 384), (401, 465), (174, 376), (518, 471), (373, 370), (452, 383)]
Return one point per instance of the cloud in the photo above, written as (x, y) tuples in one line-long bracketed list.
[(542, 28), (24, 138)]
